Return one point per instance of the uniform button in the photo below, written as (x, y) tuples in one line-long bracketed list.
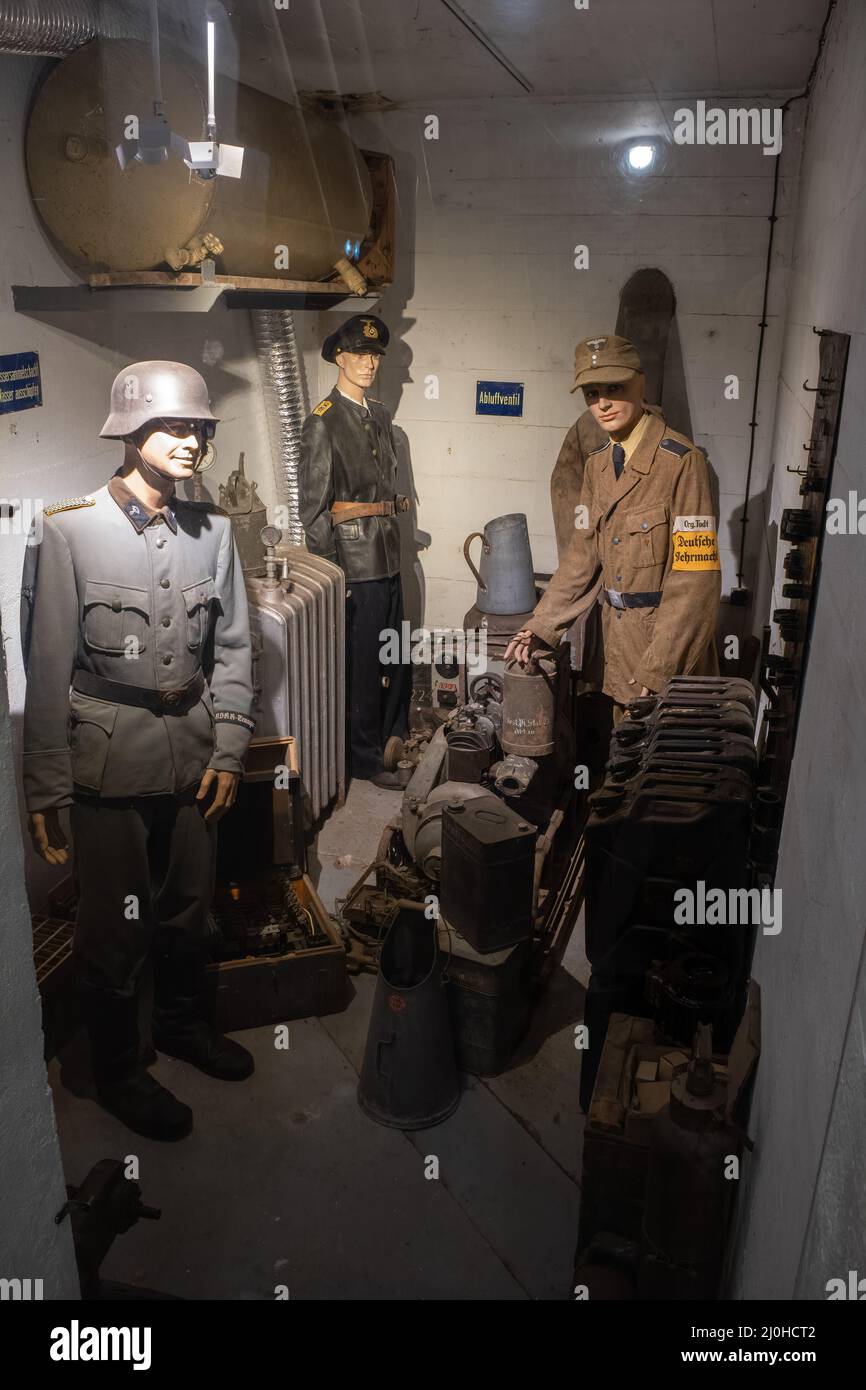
[(619, 576), (116, 605), (165, 583), (643, 526), (375, 453), (160, 543), (166, 622), (615, 541), (166, 661)]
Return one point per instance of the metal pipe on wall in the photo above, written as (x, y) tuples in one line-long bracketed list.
[(283, 386), (49, 28)]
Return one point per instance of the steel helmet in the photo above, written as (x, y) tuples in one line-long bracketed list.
[(147, 391)]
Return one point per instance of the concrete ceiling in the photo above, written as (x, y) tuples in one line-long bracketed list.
[(420, 50)]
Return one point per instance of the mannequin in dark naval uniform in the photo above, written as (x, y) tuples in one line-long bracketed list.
[(137, 717), (348, 507)]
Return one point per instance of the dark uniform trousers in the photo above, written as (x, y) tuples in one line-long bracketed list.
[(377, 695), (348, 454), (144, 870)]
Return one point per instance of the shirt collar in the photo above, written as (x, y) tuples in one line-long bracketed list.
[(138, 513), (630, 443), (359, 405)]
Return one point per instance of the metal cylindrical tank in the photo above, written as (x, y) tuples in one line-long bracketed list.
[(529, 707), (688, 1196), (304, 190)]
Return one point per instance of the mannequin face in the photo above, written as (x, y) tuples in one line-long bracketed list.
[(358, 368), (617, 408), (174, 456)]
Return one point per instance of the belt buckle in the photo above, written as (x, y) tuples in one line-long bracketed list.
[(615, 596), (171, 698)]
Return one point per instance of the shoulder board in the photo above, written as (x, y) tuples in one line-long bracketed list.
[(69, 504), (675, 446), (323, 407)]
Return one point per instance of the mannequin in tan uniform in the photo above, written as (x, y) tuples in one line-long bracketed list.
[(645, 528)]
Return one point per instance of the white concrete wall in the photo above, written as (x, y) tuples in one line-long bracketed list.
[(804, 1212), (486, 288), (32, 1187)]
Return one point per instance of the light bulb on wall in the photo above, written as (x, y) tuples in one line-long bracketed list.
[(640, 157)]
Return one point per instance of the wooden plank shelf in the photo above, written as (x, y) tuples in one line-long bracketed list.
[(188, 291)]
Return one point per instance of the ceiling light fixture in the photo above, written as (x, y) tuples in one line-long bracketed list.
[(640, 157)]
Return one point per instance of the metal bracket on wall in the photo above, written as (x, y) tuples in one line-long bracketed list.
[(802, 529)]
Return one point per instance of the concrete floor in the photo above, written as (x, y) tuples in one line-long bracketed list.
[(284, 1181)]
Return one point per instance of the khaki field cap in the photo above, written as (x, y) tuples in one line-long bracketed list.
[(146, 391), (603, 360)]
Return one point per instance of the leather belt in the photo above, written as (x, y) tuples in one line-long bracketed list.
[(618, 600), (145, 697), (353, 511)]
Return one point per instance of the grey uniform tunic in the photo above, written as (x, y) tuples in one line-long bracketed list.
[(142, 598)]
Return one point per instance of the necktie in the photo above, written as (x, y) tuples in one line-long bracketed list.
[(618, 460)]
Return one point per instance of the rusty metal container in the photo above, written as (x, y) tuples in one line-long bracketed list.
[(529, 708), (304, 185)]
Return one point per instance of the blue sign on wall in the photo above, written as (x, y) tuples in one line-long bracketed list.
[(499, 398), (20, 381)]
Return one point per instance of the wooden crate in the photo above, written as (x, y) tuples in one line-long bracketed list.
[(261, 990), (615, 1148)]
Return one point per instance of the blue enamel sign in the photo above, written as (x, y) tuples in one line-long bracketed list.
[(20, 381), (499, 398)]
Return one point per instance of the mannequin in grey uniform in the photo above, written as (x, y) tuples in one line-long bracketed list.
[(137, 718)]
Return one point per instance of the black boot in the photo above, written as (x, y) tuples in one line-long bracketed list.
[(123, 1086), (195, 1041), (178, 1027)]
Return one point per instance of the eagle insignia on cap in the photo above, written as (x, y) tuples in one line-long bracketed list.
[(595, 343), (370, 329)]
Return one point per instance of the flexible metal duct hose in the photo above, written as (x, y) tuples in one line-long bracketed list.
[(45, 29), (283, 385)]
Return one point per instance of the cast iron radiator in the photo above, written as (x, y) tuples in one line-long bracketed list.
[(297, 625)]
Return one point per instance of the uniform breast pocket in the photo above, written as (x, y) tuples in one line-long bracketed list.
[(116, 618), (198, 600), (349, 531), (649, 536)]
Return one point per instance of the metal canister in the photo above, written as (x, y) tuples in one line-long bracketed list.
[(529, 707)]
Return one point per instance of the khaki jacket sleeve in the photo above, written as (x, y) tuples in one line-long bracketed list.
[(49, 599), (686, 619), (567, 594), (231, 679), (316, 487)]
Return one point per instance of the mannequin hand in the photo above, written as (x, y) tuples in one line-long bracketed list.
[(224, 796), (522, 646), (48, 837)]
